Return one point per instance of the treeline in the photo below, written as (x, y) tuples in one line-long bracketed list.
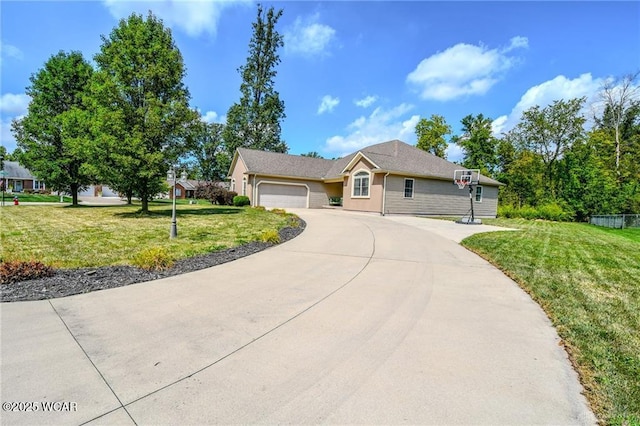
[(128, 121), (555, 159)]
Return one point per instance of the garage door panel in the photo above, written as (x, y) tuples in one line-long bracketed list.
[(283, 196)]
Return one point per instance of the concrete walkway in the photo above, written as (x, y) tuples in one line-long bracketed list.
[(361, 319)]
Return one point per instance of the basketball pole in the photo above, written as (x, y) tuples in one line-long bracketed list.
[(473, 219)]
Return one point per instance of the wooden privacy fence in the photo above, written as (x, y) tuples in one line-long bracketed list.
[(619, 221)]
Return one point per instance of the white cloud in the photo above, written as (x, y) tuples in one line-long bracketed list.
[(12, 104), (10, 51), (328, 104), (545, 93), (455, 153), (308, 37), (380, 126), (463, 70), (194, 17), (213, 117), (366, 102)]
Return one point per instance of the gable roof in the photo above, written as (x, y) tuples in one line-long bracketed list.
[(394, 157), (14, 170), (276, 164)]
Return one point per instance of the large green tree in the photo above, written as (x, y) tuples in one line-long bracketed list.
[(254, 122), (431, 134), (549, 132), (140, 107), (53, 136), (211, 159), (478, 143)]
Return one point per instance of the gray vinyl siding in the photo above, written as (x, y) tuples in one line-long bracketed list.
[(438, 198), (317, 194)]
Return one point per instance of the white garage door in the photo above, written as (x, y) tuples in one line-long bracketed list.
[(283, 196)]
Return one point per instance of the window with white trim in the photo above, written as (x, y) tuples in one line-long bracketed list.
[(38, 185), (244, 186), (478, 194), (233, 185), (408, 188), (361, 182)]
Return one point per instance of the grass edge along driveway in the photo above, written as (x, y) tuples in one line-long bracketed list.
[(587, 279), (92, 236)]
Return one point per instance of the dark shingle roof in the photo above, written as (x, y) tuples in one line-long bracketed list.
[(14, 170), (394, 156), (272, 163)]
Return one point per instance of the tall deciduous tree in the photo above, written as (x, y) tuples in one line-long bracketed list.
[(54, 133), (549, 132), (478, 144), (431, 135), (619, 96), (254, 122), (211, 160), (141, 107)]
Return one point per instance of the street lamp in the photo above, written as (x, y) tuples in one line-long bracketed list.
[(3, 175), (174, 224)]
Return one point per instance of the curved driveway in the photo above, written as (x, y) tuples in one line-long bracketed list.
[(361, 319)]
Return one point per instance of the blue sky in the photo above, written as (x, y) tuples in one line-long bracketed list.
[(354, 73)]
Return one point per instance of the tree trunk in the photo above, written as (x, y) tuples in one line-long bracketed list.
[(145, 204), (74, 194)]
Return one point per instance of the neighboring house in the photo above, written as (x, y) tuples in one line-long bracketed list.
[(388, 178), (19, 179), (184, 188)]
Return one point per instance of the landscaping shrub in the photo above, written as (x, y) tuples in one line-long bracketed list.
[(555, 212), (13, 271), (261, 208), (507, 211), (228, 199), (270, 236), (293, 221), (549, 211), (241, 201), (154, 258), (279, 211), (215, 193)]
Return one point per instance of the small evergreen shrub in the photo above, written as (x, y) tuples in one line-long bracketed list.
[(241, 201), (270, 236), (153, 259), (279, 211), (13, 271)]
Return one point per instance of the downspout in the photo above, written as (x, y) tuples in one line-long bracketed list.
[(384, 192)]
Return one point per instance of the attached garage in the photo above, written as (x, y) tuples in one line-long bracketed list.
[(282, 195)]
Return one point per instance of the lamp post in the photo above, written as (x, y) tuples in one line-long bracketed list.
[(174, 223), (3, 175)]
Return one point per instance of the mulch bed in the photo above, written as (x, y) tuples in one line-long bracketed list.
[(66, 282)]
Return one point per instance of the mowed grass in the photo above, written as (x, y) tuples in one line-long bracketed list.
[(587, 279), (38, 198), (73, 237)]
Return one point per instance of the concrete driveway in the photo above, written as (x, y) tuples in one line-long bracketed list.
[(361, 319)]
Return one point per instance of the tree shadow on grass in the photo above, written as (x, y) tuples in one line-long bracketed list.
[(156, 213)]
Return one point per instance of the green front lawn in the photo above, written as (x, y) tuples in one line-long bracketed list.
[(31, 198), (587, 279), (84, 236)]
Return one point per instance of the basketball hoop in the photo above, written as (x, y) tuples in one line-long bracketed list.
[(461, 183)]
